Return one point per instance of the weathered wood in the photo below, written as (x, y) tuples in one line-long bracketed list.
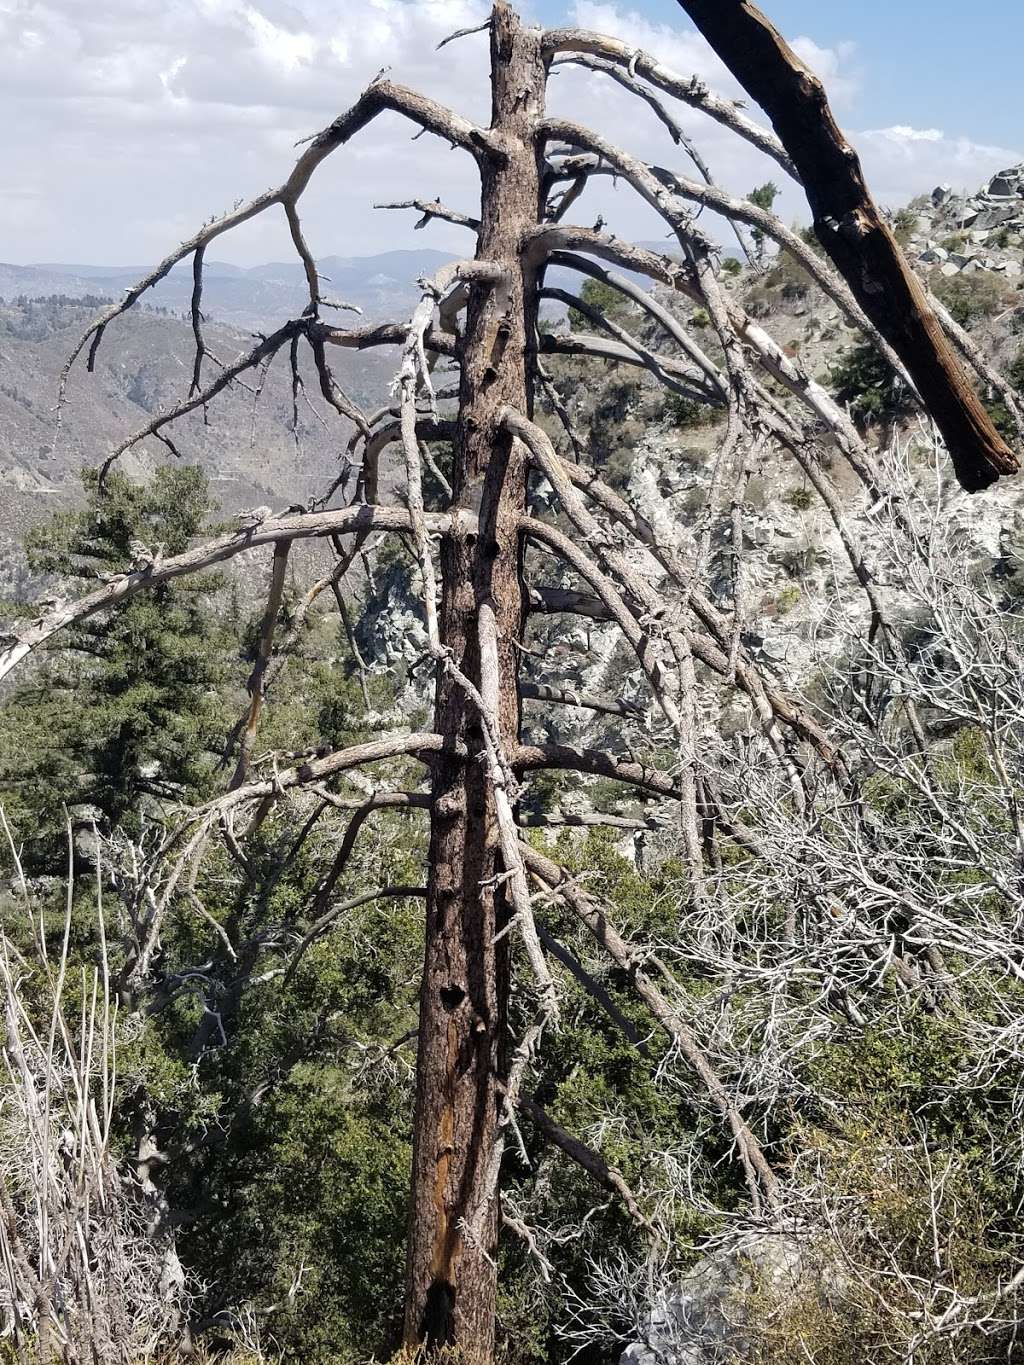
[(853, 232), (257, 679), (451, 1277)]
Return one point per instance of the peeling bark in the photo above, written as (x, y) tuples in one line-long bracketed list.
[(451, 1274)]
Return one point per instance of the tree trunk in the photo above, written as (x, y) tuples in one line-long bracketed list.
[(454, 1217)]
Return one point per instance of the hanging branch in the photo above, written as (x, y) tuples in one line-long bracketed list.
[(853, 232), (257, 679), (761, 1179), (607, 1176)]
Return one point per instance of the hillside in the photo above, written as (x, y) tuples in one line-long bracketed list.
[(382, 286), (744, 1082), (249, 451)]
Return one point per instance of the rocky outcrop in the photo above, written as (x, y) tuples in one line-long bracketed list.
[(704, 1320), (958, 234)]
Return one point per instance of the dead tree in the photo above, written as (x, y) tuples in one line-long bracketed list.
[(481, 314), (846, 221)]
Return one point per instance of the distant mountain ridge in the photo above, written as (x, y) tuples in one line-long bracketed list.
[(248, 298), (258, 297)]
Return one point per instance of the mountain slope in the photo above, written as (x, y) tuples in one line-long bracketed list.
[(255, 298), (249, 450)]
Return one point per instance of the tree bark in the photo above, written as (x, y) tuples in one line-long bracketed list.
[(451, 1274), (853, 232)]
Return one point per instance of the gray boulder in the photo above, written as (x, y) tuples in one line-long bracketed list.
[(1007, 182), (702, 1321), (995, 214)]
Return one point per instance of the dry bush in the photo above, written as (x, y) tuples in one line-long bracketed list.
[(85, 1272)]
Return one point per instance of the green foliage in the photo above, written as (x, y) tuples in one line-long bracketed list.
[(788, 598), (808, 235), (970, 298), (292, 1142), (731, 266), (605, 299), (864, 380), (614, 429), (129, 706), (789, 278), (1002, 419), (35, 319), (801, 498), (786, 282), (762, 197), (685, 412), (997, 409), (903, 224)]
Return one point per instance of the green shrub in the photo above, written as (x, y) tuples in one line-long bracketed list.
[(789, 278), (685, 412), (903, 224), (808, 235), (864, 380), (1001, 418), (969, 298), (605, 299), (763, 197), (787, 599)]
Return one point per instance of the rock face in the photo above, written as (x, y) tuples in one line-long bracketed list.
[(702, 1322), (988, 227)]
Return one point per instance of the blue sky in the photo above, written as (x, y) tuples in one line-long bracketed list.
[(138, 119), (924, 62)]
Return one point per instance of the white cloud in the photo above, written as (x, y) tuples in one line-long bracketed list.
[(136, 121), (902, 161), (834, 65), (902, 134)]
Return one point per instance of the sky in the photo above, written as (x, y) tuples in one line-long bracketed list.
[(131, 122)]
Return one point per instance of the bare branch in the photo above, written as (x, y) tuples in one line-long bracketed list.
[(431, 209), (624, 76), (629, 348), (530, 757), (645, 180), (854, 233), (257, 680), (563, 696), (691, 91), (463, 33), (379, 97), (281, 528)]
